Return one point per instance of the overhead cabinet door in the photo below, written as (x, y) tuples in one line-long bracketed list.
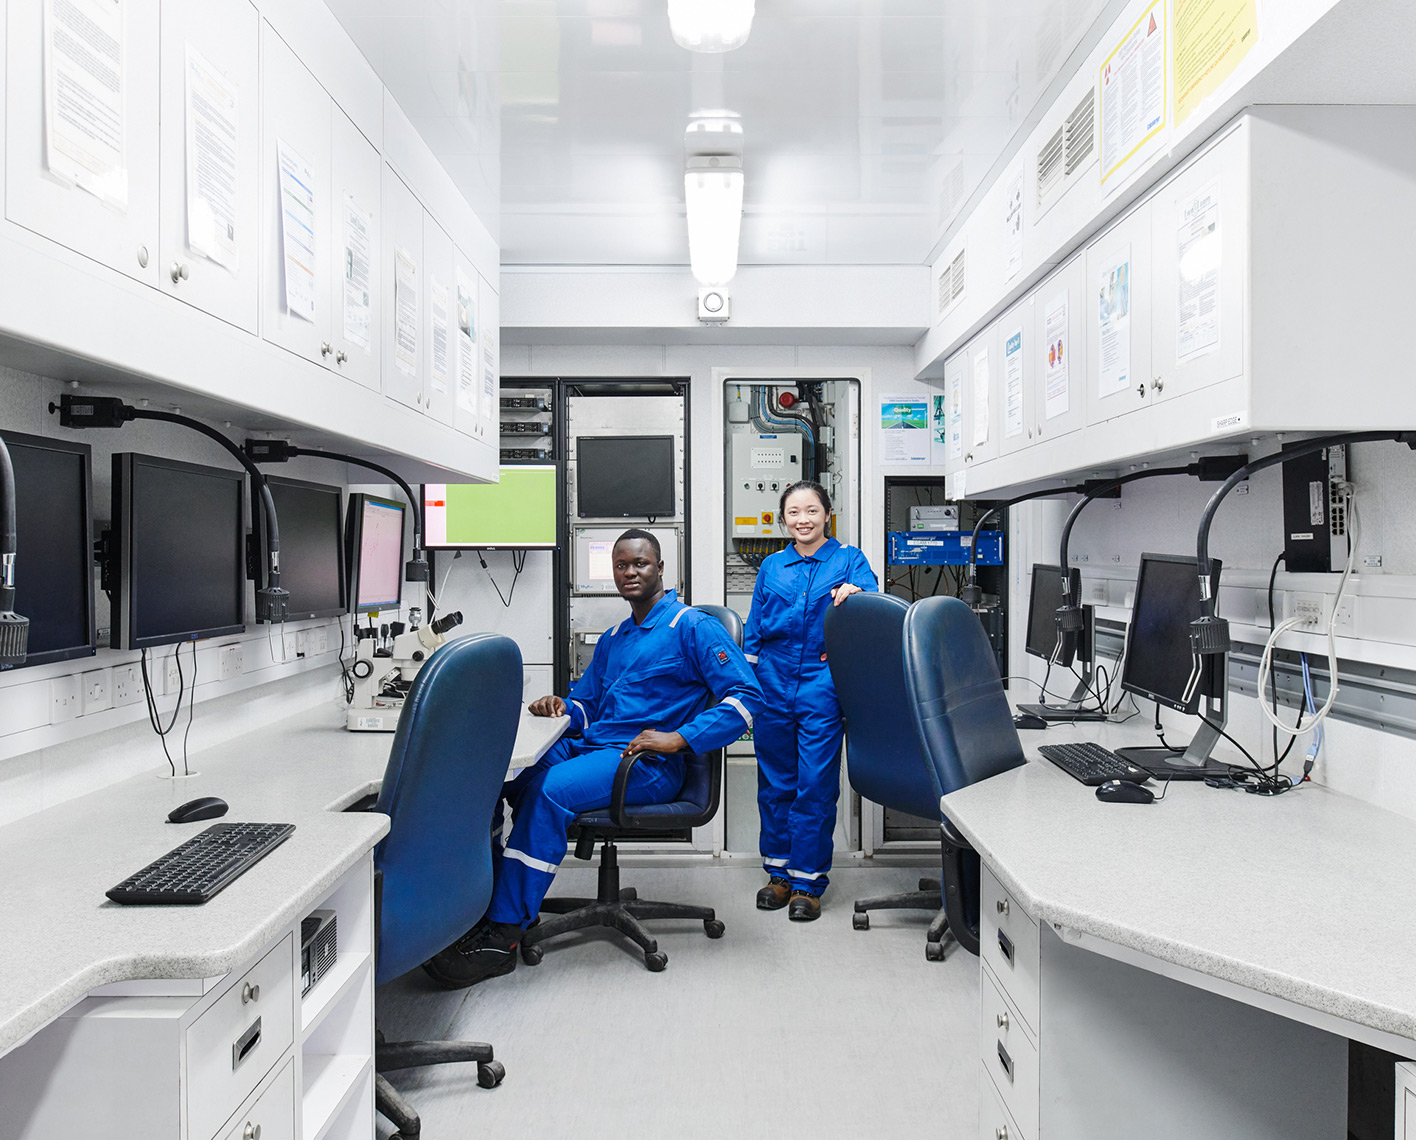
[(405, 359), (356, 268), (1118, 288), (439, 305), (1059, 353)]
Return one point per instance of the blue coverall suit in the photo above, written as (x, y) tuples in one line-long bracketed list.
[(798, 735), (680, 672)]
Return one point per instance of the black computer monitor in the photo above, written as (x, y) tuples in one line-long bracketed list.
[(311, 546), (1159, 663), (54, 540), (1043, 603), (374, 546), (179, 532), (625, 476)]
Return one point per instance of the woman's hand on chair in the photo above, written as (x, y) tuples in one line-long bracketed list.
[(844, 591)]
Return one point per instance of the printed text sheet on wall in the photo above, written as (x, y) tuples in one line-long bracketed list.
[(211, 108)]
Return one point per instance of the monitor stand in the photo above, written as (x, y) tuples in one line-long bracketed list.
[(1194, 763), (1072, 710)]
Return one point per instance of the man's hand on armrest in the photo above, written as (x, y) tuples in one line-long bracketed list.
[(547, 706), (651, 741)]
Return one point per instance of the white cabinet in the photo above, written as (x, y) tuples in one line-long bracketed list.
[(438, 313), (956, 372), (404, 279), (208, 239), (357, 266), (1015, 383), (982, 369), (469, 418), (1405, 1100), (81, 167), (1118, 288), (489, 342), (295, 204), (1059, 353)]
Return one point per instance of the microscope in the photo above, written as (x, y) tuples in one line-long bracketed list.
[(384, 668)]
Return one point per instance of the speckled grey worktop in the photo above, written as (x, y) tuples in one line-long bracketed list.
[(60, 937), (1307, 897)]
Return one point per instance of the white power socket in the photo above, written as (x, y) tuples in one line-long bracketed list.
[(171, 674), (127, 685), (65, 699), (1345, 616), (1308, 608), (228, 662), (321, 640), (97, 690), (302, 643), (290, 645)]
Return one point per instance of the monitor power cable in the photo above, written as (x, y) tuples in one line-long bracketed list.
[(155, 717)]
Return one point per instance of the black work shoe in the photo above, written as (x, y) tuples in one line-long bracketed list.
[(488, 950), (774, 895), (805, 907)]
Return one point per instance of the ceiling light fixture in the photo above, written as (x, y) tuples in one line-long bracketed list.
[(710, 25), (712, 187)]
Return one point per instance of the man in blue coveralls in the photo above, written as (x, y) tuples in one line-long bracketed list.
[(667, 680)]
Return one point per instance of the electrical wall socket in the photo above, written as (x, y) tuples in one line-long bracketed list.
[(97, 690), (171, 675), (1345, 616), (321, 640), (127, 685), (290, 646), (1097, 591), (1308, 608), (302, 643), (228, 662), (65, 699)]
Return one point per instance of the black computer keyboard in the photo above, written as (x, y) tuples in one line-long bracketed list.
[(201, 867), (1092, 764)]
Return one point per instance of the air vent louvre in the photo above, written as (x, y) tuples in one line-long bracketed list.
[(1081, 132), (1050, 167), (953, 281)]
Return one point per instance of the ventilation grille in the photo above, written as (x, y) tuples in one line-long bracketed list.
[(1068, 151), (1050, 168), (1081, 132), (952, 281)]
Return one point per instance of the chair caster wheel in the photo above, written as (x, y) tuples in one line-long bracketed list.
[(656, 960), (532, 955), (629, 894), (934, 951), (490, 1074), (713, 928), (860, 920)]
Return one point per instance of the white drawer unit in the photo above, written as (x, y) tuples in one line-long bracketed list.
[(994, 1123), (1010, 1053), (1008, 944), (271, 1116), (1405, 1100)]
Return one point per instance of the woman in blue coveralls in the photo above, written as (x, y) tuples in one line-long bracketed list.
[(798, 733)]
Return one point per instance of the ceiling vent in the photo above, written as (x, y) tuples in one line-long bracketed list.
[(1081, 133), (1068, 151), (1050, 170), (952, 281)]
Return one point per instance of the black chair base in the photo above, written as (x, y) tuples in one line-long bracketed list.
[(615, 909), (930, 896), (390, 1056)]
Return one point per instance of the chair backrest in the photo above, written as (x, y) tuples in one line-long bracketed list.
[(865, 638), (956, 696), (703, 775), (445, 772)]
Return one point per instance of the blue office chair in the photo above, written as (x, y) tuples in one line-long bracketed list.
[(433, 871), (865, 637), (621, 909), (965, 729)]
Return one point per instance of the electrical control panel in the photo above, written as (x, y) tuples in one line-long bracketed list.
[(763, 466)]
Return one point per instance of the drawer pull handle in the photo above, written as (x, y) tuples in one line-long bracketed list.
[(1002, 1021), (1001, 906), (1005, 944), (252, 1132), (250, 993), (1005, 1060), (245, 1044)]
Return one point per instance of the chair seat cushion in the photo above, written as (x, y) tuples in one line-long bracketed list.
[(647, 815)]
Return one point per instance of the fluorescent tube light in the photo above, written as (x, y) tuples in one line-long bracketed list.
[(712, 188), (710, 25)]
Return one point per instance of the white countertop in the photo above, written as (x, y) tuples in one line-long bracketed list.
[(63, 938), (1306, 897)]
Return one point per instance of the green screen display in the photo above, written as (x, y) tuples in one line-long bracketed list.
[(520, 510)]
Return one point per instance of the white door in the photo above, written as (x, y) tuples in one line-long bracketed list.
[(1017, 355), (356, 269), (439, 311), (405, 360), (90, 181), (1059, 354), (295, 204), (983, 367), (489, 342), (469, 417), (1118, 289), (210, 156), (955, 374)]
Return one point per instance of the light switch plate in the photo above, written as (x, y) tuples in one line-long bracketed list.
[(97, 690)]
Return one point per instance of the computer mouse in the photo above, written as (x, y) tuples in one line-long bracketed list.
[(204, 807), (1028, 720), (1124, 792)]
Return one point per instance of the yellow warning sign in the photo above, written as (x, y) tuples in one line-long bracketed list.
[(1210, 39)]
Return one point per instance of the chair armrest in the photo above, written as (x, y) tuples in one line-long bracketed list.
[(621, 789)]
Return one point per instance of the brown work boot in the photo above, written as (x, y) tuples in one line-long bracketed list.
[(774, 895), (806, 907)]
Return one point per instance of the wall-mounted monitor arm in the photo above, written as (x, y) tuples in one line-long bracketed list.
[(14, 629), (278, 451), (971, 594), (272, 602)]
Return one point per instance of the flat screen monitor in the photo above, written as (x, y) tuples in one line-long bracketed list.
[(625, 477), (311, 546), (54, 559), (1045, 600), (374, 542), (518, 512), (1159, 663), (180, 534)]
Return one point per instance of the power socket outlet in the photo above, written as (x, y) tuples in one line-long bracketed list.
[(302, 643), (98, 690), (228, 662), (171, 674), (127, 685), (65, 699), (1098, 591), (1345, 616), (321, 640), (1308, 608), (290, 644)]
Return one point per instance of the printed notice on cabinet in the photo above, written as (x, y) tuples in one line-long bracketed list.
[(466, 345), (980, 397), (1013, 229), (211, 162), (904, 429), (83, 96), (1200, 257), (1211, 38), (1056, 391), (489, 377), (358, 303), (405, 311), (938, 427), (297, 231), (437, 292), (1013, 383), (1132, 85), (1114, 318), (954, 393)]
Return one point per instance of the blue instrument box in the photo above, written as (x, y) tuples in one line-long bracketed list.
[(944, 547)]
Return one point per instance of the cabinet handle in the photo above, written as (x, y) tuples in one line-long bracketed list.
[(142, 257), (178, 272), (252, 1132), (326, 348), (1039, 431), (1158, 383), (1001, 906), (1141, 389), (1030, 433), (1002, 1021), (1001, 1132), (340, 357), (969, 457), (250, 993)]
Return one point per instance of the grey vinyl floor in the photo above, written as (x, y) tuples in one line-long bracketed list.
[(777, 1030)]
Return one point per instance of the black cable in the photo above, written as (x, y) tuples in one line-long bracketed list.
[(1273, 673), (516, 576), (1160, 732), (154, 716), (191, 708), (346, 679)]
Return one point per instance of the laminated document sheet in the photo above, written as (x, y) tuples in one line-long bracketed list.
[(466, 345), (904, 429), (358, 302), (211, 106), (1114, 318), (1013, 382), (1057, 352), (83, 96), (1212, 37), (1197, 288), (1013, 228), (437, 291), (954, 395), (297, 231), (980, 397), (1132, 86), (405, 311)]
